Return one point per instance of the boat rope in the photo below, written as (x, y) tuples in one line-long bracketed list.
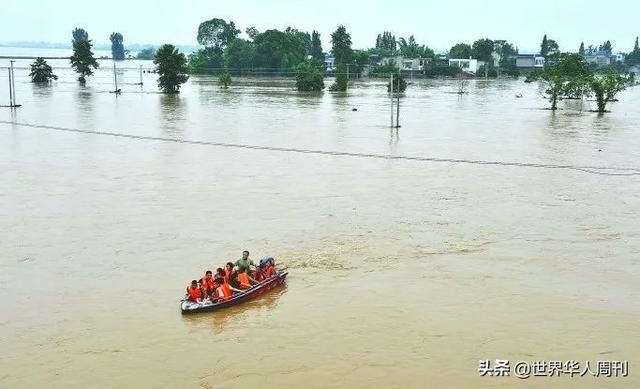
[(599, 170)]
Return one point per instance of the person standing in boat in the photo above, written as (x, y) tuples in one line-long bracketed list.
[(244, 263)]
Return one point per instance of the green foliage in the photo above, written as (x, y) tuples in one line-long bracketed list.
[(277, 50), (206, 60), (217, 33), (633, 58), (79, 35), (411, 49), (581, 49), (252, 32), (171, 66), (41, 71), (606, 86), (550, 50), (240, 54), (340, 85), (82, 60), (383, 70), (316, 47), (441, 70), (460, 51), (361, 61), (117, 48), (146, 54), (387, 42), (341, 45), (308, 77), (482, 50), (398, 83), (570, 76), (224, 80), (606, 48)]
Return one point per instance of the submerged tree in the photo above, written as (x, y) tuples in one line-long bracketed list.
[(341, 45), (41, 71), (117, 48), (316, 47), (340, 85), (606, 86), (82, 60), (571, 73), (308, 77), (549, 49), (225, 80), (399, 84), (171, 65)]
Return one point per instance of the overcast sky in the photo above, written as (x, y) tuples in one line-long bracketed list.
[(439, 25)]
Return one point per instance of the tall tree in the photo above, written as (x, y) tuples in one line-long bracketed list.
[(581, 49), (316, 47), (544, 46), (550, 50), (117, 48), (281, 50), (41, 72), (82, 60), (217, 33), (79, 35), (633, 58), (171, 66), (482, 49), (606, 48), (341, 45), (460, 51)]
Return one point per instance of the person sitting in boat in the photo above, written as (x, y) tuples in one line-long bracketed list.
[(270, 268), (220, 273), (195, 292), (244, 281), (244, 263), (207, 282), (223, 291), (258, 274), (228, 271)]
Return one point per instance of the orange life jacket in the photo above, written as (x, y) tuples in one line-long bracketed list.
[(224, 291), (244, 281), (207, 284), (271, 271), (258, 276), (194, 294)]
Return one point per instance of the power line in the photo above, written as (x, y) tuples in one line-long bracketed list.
[(599, 170)]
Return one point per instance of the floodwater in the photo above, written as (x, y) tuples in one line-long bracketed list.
[(403, 273)]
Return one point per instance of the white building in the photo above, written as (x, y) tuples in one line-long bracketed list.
[(467, 65)]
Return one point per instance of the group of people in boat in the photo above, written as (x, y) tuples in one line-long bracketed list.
[(233, 278)]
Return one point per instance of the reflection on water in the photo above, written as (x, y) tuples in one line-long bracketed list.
[(217, 322)]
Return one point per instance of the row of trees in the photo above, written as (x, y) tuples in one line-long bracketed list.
[(571, 77)]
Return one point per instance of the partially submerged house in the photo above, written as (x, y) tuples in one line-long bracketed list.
[(528, 63), (469, 66)]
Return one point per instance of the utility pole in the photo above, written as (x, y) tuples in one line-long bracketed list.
[(115, 76), (140, 74), (12, 86), (391, 95), (398, 100)]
